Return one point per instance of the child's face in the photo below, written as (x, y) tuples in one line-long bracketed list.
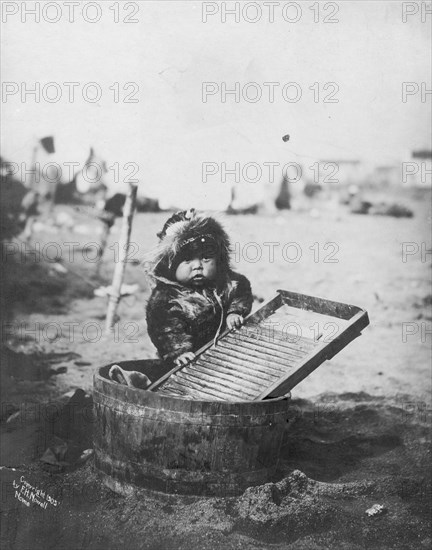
[(196, 270)]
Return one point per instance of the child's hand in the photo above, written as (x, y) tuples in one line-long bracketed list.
[(184, 358), (234, 321)]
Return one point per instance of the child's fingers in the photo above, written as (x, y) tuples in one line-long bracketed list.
[(184, 359), (234, 321)]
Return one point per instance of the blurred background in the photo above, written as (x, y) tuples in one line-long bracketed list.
[(348, 63)]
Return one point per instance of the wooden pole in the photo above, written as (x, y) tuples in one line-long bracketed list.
[(33, 178), (128, 212), (103, 243)]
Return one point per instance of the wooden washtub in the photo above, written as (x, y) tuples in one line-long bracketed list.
[(183, 446), (216, 426)]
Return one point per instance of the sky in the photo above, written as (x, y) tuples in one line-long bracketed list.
[(361, 61)]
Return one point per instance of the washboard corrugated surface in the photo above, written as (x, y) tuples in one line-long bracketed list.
[(278, 346)]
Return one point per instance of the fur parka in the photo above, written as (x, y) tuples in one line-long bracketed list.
[(180, 318)]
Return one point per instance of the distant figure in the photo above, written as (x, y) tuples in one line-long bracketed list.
[(311, 189), (29, 213), (197, 295), (283, 200), (115, 204)]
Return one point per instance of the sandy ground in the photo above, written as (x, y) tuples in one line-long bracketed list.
[(362, 431)]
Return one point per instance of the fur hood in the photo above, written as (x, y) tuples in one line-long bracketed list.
[(184, 228)]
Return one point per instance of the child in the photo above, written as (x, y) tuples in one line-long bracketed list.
[(197, 295)]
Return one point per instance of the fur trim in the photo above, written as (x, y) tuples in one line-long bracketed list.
[(187, 227), (181, 319)]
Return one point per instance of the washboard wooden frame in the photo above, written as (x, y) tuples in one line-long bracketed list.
[(267, 377)]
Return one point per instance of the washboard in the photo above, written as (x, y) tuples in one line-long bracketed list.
[(277, 347)]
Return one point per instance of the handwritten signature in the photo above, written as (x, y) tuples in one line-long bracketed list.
[(26, 493)]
